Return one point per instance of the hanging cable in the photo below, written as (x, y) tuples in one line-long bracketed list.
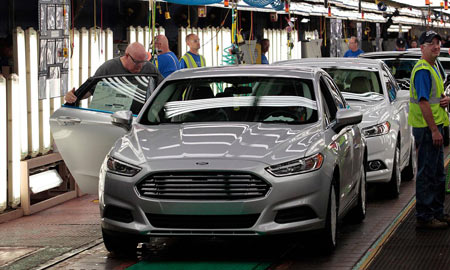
[(250, 37)]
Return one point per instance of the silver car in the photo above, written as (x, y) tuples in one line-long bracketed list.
[(226, 151), (368, 85)]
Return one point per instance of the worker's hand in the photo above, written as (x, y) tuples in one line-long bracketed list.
[(444, 101), (70, 96), (438, 140)]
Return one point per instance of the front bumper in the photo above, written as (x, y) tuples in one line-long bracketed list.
[(309, 190)]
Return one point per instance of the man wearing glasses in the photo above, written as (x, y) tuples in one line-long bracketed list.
[(427, 116), (134, 61)]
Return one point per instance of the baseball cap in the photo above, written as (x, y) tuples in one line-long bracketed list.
[(427, 37), (401, 42)]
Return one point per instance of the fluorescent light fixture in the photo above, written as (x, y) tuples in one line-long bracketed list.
[(75, 62), (22, 102), (304, 20), (33, 91), (147, 39), (84, 61), (3, 145), (44, 181), (94, 50), (46, 137), (109, 44), (131, 34), (140, 35), (184, 33), (14, 138)]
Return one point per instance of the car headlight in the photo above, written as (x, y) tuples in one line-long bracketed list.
[(377, 130), (297, 166), (119, 167)]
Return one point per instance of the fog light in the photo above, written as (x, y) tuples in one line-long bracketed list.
[(374, 165)]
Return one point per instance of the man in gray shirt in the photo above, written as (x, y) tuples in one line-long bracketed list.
[(134, 61)]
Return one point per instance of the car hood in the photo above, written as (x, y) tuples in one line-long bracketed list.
[(267, 143), (374, 112)]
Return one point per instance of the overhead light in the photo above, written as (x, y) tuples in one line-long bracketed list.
[(3, 145), (304, 20), (14, 152), (33, 91), (44, 181)]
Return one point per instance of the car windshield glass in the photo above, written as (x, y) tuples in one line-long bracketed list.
[(249, 99), (445, 61), (118, 93), (401, 68), (357, 83)]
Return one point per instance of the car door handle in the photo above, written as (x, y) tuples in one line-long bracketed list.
[(68, 121)]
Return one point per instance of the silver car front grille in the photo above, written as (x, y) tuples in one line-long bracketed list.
[(202, 186)]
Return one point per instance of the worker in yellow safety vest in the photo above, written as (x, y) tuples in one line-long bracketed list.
[(427, 116), (192, 59)]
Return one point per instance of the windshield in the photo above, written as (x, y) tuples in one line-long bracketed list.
[(401, 68), (250, 99), (445, 61), (356, 81)]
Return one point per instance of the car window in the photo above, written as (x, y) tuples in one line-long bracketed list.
[(355, 81), (401, 68), (252, 99), (331, 106), (117, 93), (335, 92), (391, 86)]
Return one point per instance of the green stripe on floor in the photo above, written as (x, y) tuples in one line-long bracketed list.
[(199, 266)]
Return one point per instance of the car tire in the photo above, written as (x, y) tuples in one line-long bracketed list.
[(396, 180), (119, 245), (358, 213), (409, 171), (446, 135), (328, 235)]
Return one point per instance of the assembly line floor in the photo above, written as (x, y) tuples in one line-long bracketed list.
[(68, 236)]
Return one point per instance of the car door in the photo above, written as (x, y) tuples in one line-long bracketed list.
[(84, 136), (344, 140)]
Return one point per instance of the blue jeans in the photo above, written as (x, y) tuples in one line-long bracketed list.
[(430, 180)]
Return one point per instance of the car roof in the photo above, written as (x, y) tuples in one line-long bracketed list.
[(393, 54), (244, 70), (341, 62)]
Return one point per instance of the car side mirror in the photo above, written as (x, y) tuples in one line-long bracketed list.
[(403, 95), (122, 119), (346, 117)]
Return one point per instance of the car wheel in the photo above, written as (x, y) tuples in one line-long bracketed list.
[(409, 171), (359, 212), (120, 245), (446, 135), (396, 180), (328, 236)]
